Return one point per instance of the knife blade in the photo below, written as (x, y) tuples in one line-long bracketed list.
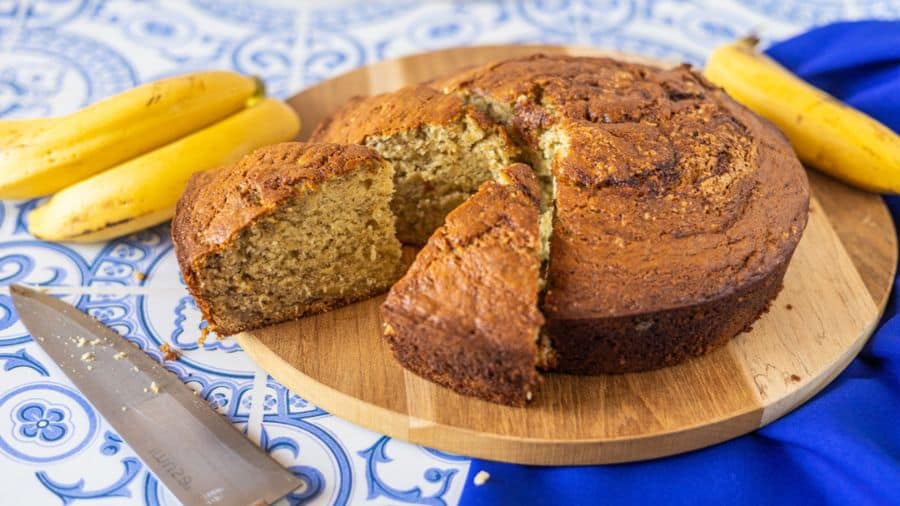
[(194, 451)]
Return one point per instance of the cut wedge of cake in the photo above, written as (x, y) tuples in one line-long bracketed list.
[(466, 313), (289, 230)]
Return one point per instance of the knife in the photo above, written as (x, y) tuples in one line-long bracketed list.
[(194, 451)]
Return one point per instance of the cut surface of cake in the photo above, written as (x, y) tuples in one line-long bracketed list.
[(289, 230), (466, 313), (441, 149)]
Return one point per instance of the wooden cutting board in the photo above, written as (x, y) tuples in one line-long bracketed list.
[(834, 292)]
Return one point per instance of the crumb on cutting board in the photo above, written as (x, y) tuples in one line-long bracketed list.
[(154, 387), (481, 478), (120, 355), (88, 356), (80, 342)]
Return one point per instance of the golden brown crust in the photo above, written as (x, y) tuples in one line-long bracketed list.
[(388, 113), (218, 204), (522, 178), (465, 314), (680, 247)]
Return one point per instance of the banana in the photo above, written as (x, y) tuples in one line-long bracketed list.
[(143, 191), (826, 133), (12, 129), (45, 156)]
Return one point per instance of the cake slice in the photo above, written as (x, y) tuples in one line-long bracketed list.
[(466, 313), (289, 230)]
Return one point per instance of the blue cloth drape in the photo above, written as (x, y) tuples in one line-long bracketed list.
[(843, 446)]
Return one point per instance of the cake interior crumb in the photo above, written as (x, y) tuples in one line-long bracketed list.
[(314, 249), (436, 168)]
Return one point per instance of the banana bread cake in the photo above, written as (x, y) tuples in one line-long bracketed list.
[(466, 314), (289, 230), (670, 214)]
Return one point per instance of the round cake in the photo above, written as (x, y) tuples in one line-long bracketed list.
[(667, 216), (675, 209)]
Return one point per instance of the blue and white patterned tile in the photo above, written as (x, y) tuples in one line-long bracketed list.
[(59, 55)]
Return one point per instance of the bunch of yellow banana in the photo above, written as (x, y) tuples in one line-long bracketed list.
[(826, 133), (121, 164)]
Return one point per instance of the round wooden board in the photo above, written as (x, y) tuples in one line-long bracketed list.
[(834, 291)]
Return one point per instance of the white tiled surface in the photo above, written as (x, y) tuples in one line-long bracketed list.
[(58, 55)]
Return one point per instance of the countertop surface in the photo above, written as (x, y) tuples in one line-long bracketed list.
[(60, 55)]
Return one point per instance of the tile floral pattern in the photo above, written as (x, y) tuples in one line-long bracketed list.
[(59, 55)]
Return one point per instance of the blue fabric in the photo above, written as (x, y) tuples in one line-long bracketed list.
[(843, 446)]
